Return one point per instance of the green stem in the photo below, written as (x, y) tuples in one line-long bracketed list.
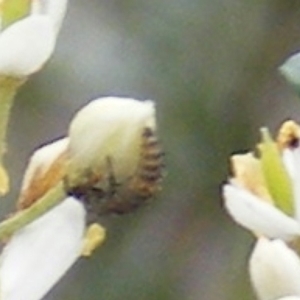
[(8, 89), (26, 216)]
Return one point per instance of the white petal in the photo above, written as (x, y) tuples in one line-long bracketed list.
[(42, 159), (274, 270), (26, 45), (258, 216), (291, 159), (40, 254), (55, 9), (290, 298), (110, 128)]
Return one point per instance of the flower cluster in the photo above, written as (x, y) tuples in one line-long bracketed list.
[(263, 196)]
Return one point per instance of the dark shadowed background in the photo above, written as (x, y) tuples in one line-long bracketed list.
[(211, 67)]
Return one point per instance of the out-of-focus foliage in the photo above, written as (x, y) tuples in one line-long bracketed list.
[(212, 68)]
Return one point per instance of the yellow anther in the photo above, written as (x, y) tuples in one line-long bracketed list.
[(94, 237), (288, 135)]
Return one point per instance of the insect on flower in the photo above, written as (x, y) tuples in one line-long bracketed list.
[(110, 162), (113, 196)]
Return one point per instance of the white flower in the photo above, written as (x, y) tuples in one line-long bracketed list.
[(106, 139), (27, 44), (39, 254), (274, 270), (264, 193)]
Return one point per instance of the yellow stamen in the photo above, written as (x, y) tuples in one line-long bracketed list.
[(94, 237)]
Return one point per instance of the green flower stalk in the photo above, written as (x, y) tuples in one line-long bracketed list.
[(8, 89)]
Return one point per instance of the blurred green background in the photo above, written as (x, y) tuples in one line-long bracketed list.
[(211, 67)]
